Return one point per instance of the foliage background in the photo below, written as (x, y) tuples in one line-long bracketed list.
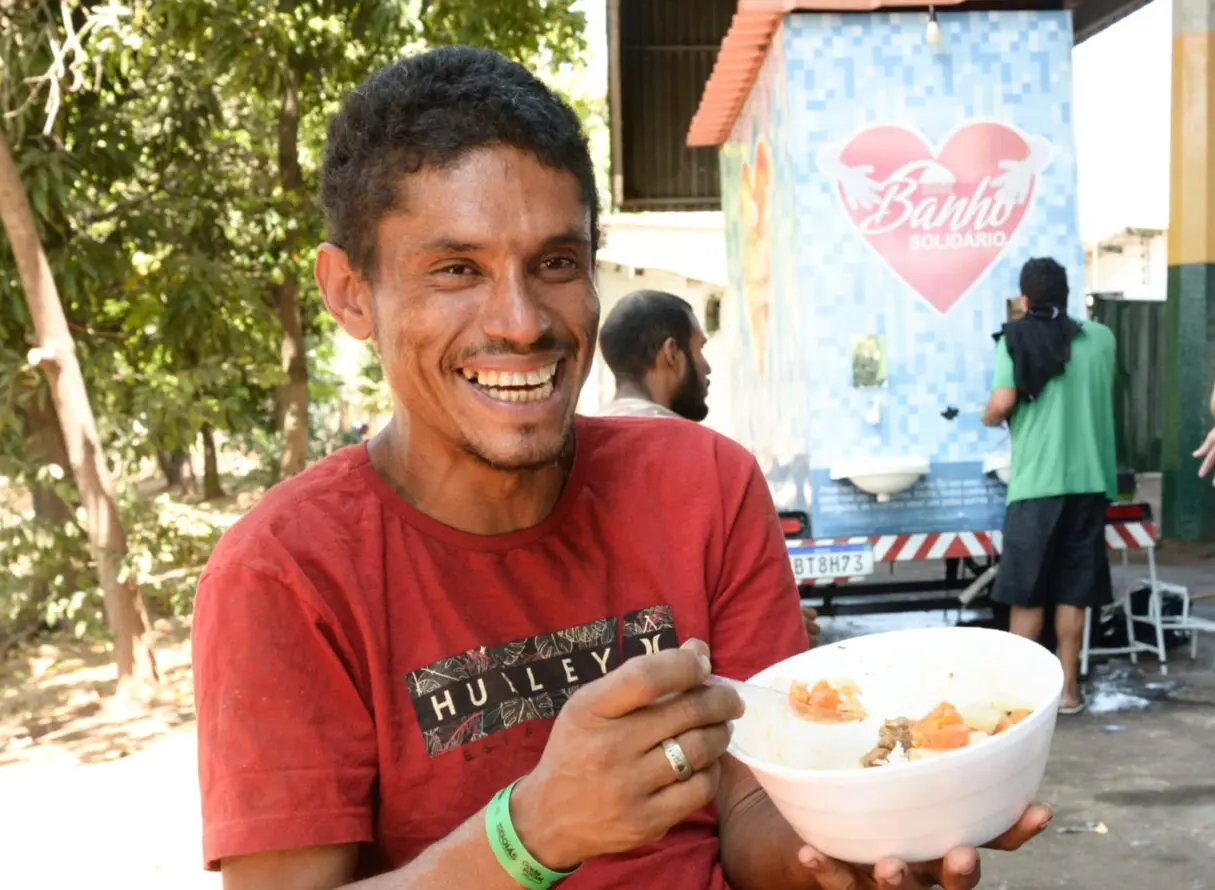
[(149, 137)]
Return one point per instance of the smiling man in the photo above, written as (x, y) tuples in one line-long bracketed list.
[(467, 654)]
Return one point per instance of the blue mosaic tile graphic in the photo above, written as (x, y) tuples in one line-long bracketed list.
[(827, 78)]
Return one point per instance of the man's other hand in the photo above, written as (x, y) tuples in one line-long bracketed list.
[(813, 631), (959, 870)]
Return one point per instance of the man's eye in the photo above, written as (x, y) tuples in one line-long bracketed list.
[(559, 264), (460, 269)]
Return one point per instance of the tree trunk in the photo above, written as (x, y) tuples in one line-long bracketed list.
[(56, 355), (292, 396), (44, 442), (189, 477), (44, 434), (212, 488), (173, 466)]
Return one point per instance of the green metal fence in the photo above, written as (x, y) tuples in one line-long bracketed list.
[(1138, 326)]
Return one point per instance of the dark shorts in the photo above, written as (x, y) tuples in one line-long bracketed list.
[(1054, 553)]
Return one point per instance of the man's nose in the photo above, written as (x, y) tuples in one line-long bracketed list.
[(512, 311)]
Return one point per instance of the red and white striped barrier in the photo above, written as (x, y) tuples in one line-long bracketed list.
[(1132, 535)]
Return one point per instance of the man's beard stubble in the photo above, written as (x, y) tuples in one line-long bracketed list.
[(689, 400), (562, 454)]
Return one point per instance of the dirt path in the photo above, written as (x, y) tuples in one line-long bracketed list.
[(87, 793), (132, 822)]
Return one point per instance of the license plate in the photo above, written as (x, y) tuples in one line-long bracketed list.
[(831, 561)]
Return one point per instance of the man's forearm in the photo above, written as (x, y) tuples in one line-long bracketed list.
[(461, 860), (759, 848)]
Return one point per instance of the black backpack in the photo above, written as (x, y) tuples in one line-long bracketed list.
[(1108, 629)]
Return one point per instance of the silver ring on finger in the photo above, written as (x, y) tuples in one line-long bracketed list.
[(678, 760)]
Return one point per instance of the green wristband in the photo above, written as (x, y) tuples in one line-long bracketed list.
[(509, 850)]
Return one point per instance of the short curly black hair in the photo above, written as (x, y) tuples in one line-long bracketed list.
[(636, 328), (1044, 283), (434, 108)]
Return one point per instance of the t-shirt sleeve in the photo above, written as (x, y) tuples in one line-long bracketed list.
[(286, 743), (755, 614), (1005, 378)]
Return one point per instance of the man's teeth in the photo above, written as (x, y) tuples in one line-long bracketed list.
[(515, 386), (512, 378), (530, 394)]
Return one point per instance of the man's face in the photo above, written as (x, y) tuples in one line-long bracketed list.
[(689, 400), (483, 310)]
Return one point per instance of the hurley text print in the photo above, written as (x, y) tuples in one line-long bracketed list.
[(466, 697)]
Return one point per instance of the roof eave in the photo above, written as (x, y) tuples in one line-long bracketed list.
[(742, 55)]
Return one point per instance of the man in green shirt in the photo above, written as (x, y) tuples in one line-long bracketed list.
[(1054, 385)]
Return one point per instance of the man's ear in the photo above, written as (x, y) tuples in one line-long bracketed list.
[(347, 295), (670, 355)]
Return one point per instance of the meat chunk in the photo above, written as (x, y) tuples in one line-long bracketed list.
[(894, 733)]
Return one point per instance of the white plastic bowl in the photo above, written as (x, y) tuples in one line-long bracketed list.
[(919, 810)]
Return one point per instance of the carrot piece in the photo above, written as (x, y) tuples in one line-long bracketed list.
[(942, 729), (941, 737), (944, 713), (825, 697), (824, 703), (1010, 719)]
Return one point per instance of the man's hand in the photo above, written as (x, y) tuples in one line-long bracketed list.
[(604, 784), (810, 619), (1207, 452), (1000, 405), (959, 870)]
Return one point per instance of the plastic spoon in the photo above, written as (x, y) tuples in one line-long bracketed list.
[(752, 694)]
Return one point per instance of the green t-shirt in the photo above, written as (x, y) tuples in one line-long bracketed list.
[(1063, 441)]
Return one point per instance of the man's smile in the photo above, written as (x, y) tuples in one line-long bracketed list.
[(525, 385)]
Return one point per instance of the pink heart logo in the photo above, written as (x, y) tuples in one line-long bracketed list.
[(938, 218)]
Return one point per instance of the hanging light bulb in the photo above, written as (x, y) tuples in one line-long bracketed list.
[(933, 32)]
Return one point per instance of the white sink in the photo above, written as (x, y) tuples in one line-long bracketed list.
[(882, 477), (1000, 465)]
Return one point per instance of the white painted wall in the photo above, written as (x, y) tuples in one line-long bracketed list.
[(680, 253), (616, 282), (1131, 263)]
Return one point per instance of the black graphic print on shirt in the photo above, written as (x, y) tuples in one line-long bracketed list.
[(466, 697)]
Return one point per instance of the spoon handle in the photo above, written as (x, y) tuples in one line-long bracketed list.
[(748, 691)]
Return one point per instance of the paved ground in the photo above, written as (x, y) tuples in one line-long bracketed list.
[(1134, 790), (1133, 781)]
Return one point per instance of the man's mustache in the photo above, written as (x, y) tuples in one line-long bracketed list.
[(547, 343)]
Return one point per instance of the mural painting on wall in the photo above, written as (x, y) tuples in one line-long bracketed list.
[(755, 197), (938, 217)]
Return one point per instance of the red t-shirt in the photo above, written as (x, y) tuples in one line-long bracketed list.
[(366, 674)]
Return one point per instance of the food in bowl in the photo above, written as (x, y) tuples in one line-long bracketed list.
[(943, 729), (918, 810), (826, 703)]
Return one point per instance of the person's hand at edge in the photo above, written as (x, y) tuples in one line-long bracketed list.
[(1207, 452), (960, 869)]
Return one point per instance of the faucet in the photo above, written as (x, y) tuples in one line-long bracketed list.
[(873, 416)]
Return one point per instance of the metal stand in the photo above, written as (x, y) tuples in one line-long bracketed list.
[(1155, 617), (1122, 598)]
